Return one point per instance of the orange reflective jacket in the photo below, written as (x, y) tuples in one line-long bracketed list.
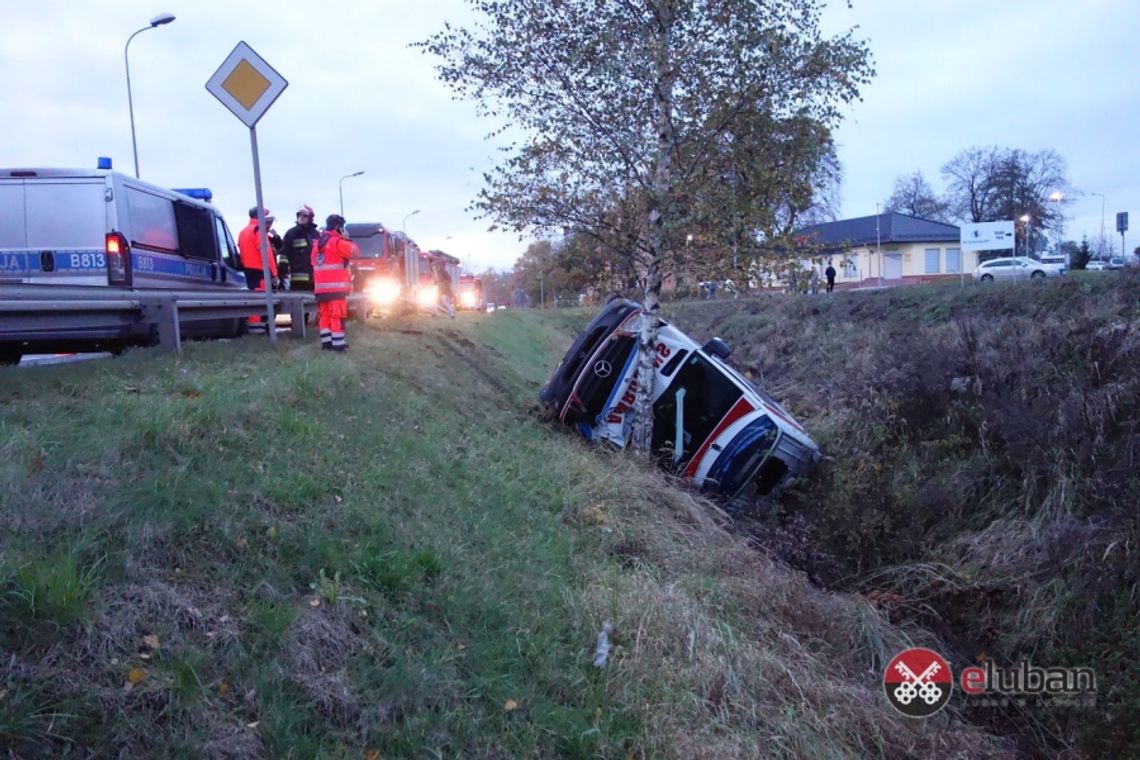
[(249, 246), (331, 275)]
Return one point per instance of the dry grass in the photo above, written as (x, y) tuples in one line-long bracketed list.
[(981, 450)]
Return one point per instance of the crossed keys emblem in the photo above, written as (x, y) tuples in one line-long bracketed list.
[(918, 686)]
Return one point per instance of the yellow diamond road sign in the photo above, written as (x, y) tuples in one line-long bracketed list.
[(246, 84)]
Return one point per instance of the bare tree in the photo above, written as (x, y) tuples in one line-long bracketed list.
[(971, 194), (913, 195), (994, 184)]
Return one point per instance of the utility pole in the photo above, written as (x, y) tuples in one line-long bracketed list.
[(879, 244)]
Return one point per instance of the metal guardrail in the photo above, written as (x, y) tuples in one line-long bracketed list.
[(31, 314)]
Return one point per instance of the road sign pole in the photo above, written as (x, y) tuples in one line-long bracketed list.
[(248, 86), (263, 242)]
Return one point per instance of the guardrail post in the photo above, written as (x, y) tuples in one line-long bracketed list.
[(297, 316), (163, 312)]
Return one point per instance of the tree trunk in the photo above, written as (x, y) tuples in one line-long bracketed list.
[(658, 223)]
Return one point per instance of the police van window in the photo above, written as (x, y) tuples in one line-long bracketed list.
[(196, 239), (65, 215), (152, 221), (13, 232), (226, 243)]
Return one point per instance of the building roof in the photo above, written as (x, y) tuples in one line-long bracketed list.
[(890, 227)]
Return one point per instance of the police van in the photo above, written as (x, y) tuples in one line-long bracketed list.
[(100, 227)]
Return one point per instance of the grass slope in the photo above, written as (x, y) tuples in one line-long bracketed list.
[(247, 552)]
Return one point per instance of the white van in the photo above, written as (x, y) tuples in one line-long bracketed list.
[(101, 227)]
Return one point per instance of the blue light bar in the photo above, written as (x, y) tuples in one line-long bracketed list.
[(104, 162), (199, 193)]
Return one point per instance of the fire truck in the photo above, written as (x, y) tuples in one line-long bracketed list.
[(386, 272), (428, 262), (470, 293)]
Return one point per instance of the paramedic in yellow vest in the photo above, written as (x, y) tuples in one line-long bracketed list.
[(332, 281)]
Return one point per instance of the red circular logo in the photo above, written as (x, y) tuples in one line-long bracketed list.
[(918, 682)]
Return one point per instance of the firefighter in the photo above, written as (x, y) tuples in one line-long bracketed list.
[(297, 250), (249, 247), (332, 281), (443, 284)]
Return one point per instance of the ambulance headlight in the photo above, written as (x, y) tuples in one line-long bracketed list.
[(467, 300)]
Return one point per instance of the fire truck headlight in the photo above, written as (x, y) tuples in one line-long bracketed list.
[(382, 291), (428, 296), (467, 300)]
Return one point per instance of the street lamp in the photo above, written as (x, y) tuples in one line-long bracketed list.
[(159, 20), (404, 224), (342, 179), (1025, 218)]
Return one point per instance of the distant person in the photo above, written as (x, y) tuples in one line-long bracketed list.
[(829, 273), (297, 249), (249, 248), (332, 281), (813, 281)]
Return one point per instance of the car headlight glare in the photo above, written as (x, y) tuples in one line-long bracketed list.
[(382, 291)]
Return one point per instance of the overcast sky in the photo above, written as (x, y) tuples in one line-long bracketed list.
[(951, 74)]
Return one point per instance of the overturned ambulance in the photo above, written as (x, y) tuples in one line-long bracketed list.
[(711, 425)]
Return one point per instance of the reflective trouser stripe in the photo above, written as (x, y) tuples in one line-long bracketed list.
[(338, 339), (326, 337)]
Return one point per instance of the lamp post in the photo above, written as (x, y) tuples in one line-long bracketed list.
[(1100, 244), (1056, 196), (404, 224), (342, 179), (159, 20), (1025, 219)]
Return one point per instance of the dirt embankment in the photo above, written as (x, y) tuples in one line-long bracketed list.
[(980, 472)]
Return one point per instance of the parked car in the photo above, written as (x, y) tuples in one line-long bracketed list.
[(1096, 266), (1016, 268), (711, 425), (1116, 262)]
